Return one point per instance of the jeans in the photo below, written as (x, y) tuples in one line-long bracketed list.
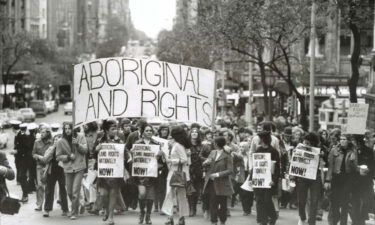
[(312, 188), (340, 199), (73, 186), (39, 187), (57, 175), (218, 204), (265, 208)]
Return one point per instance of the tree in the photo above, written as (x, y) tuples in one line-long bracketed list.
[(117, 35), (357, 15), (265, 32), (15, 46)]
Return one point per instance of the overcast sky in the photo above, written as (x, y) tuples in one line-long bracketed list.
[(152, 16)]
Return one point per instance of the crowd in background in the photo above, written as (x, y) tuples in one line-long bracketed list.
[(216, 161)]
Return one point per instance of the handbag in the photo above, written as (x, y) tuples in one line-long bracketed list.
[(9, 205), (178, 178)]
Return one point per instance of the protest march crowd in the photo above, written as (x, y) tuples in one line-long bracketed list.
[(110, 166)]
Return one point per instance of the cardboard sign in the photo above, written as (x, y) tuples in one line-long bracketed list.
[(304, 162), (262, 176), (111, 161), (163, 144), (145, 163), (357, 118), (125, 87)]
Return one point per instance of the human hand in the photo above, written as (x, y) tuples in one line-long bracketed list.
[(213, 176), (98, 147), (327, 185), (3, 170), (75, 141), (272, 183), (72, 156)]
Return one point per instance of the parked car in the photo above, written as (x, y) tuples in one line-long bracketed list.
[(39, 107), (4, 120), (28, 114), (68, 108), (14, 115), (50, 105)]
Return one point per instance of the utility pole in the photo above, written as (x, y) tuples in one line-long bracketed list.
[(312, 68), (222, 88), (250, 109)]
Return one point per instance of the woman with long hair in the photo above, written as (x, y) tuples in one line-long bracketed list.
[(146, 185), (55, 174), (40, 147), (109, 188), (342, 172), (71, 150), (177, 157), (196, 169)]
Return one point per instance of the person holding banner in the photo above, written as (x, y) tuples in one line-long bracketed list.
[(146, 185), (342, 170), (178, 157), (307, 186), (266, 212), (109, 188), (218, 185), (71, 150)]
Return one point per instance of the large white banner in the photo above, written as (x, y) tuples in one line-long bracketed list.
[(357, 118), (126, 87), (262, 174), (111, 160), (304, 162), (145, 163)]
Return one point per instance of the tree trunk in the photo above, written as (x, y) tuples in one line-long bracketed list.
[(353, 81), (265, 88)]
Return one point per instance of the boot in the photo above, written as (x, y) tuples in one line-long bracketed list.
[(170, 221), (181, 221), (141, 218), (148, 219)]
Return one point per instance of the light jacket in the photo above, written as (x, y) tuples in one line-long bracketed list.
[(63, 150)]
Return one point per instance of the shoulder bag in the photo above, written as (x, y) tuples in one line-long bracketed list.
[(178, 178)]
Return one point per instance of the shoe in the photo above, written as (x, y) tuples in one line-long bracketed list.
[(24, 199), (246, 214), (228, 213), (170, 221), (205, 214), (105, 218), (181, 221), (46, 214), (126, 209), (94, 212), (156, 210), (222, 223), (111, 222), (148, 219), (282, 206), (81, 209), (141, 218), (162, 213), (38, 209), (301, 222), (73, 217), (64, 214), (319, 218), (292, 206)]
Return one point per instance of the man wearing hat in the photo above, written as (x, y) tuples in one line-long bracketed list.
[(22, 160), (55, 129)]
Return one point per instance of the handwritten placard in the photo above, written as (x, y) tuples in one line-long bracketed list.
[(304, 162), (144, 160), (262, 176), (111, 161), (126, 87), (357, 118)]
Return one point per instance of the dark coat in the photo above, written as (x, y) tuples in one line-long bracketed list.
[(132, 138), (224, 167), (9, 175)]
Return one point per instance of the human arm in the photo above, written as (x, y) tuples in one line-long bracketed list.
[(6, 171), (61, 153), (80, 144)]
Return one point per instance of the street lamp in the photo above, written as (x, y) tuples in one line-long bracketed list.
[(270, 82)]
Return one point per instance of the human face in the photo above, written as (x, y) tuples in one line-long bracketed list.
[(112, 131), (68, 130), (194, 133), (324, 135), (56, 139), (209, 137), (148, 132), (235, 129), (126, 128), (226, 136), (164, 132), (43, 133), (344, 141)]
